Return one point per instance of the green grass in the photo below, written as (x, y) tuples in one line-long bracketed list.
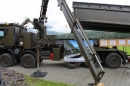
[(31, 81), (125, 49)]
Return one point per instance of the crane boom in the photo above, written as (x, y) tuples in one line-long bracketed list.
[(75, 28), (43, 9), (78, 32)]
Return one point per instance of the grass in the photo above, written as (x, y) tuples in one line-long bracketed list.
[(31, 81), (125, 49)]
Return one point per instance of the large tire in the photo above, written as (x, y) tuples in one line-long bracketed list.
[(72, 65), (28, 61), (113, 60), (6, 60)]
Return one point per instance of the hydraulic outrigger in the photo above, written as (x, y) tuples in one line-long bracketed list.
[(87, 51)]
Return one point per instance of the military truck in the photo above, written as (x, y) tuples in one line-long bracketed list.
[(111, 57), (17, 44), (104, 17)]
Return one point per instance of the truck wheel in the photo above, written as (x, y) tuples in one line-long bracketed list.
[(6, 60), (72, 65), (28, 61), (113, 60)]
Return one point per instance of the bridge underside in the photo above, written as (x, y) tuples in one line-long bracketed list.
[(101, 26), (103, 17)]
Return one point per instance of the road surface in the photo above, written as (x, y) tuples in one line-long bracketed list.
[(81, 76)]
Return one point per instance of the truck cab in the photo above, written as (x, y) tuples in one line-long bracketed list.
[(7, 35), (15, 41)]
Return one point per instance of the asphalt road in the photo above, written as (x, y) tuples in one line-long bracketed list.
[(57, 71)]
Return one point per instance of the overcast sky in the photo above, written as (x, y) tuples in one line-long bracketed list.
[(18, 10)]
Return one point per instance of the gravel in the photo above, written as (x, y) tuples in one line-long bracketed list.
[(11, 78)]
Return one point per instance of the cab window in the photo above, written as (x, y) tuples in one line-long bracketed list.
[(1, 33)]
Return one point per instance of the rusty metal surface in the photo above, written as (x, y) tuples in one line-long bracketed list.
[(81, 76)]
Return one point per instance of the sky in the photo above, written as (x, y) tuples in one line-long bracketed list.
[(18, 10)]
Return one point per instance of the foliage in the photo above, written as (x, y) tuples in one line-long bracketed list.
[(99, 35), (31, 81), (66, 36), (125, 49)]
